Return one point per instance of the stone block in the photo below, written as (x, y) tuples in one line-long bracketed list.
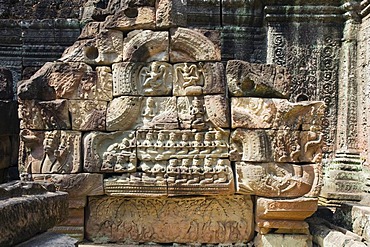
[(257, 80), (260, 113), (110, 152), (78, 186), (6, 84), (29, 211), (276, 179), (130, 18), (276, 146), (286, 240), (88, 114), (129, 112), (146, 79), (44, 115), (49, 151), (203, 112), (355, 218), (190, 45), (285, 216), (104, 49), (146, 46), (222, 220), (51, 239), (170, 13)]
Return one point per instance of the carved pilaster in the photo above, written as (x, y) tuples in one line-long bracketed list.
[(343, 178)]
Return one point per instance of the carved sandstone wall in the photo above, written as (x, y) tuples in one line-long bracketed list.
[(157, 140)]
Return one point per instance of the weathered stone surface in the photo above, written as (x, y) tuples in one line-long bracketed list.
[(78, 186), (104, 49), (6, 84), (276, 146), (202, 112), (261, 80), (198, 79), (68, 81), (260, 113), (288, 240), (189, 220), (146, 46), (130, 18), (146, 79), (110, 152), (44, 115), (127, 112), (326, 234), (286, 216), (276, 179), (189, 45), (170, 14), (88, 114), (24, 216), (50, 239), (355, 218), (49, 152)]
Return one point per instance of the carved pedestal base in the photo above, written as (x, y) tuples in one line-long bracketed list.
[(343, 180), (223, 220), (284, 216)]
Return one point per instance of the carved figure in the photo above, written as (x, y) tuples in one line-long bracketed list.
[(184, 171), (197, 144), (208, 171), (221, 172), (173, 171), (195, 171), (153, 78), (190, 75), (197, 113), (184, 144)]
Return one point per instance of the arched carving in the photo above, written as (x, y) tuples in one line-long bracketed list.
[(189, 45)]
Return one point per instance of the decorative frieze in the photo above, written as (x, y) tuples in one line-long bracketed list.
[(187, 220)]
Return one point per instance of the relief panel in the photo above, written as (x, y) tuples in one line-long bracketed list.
[(187, 220), (55, 151), (145, 79), (44, 115), (88, 114), (276, 146), (275, 179), (260, 113), (110, 152)]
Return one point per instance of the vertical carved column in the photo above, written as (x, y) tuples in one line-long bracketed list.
[(343, 178), (363, 77), (306, 40)]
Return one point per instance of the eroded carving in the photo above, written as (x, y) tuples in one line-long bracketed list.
[(220, 220), (276, 146), (55, 151), (275, 179), (261, 80), (88, 114), (146, 46), (189, 45), (44, 115), (110, 152)]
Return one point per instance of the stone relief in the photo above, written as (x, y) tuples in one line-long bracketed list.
[(187, 220), (44, 115), (162, 118), (110, 152), (275, 179), (88, 114), (142, 79), (276, 146), (55, 151)]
